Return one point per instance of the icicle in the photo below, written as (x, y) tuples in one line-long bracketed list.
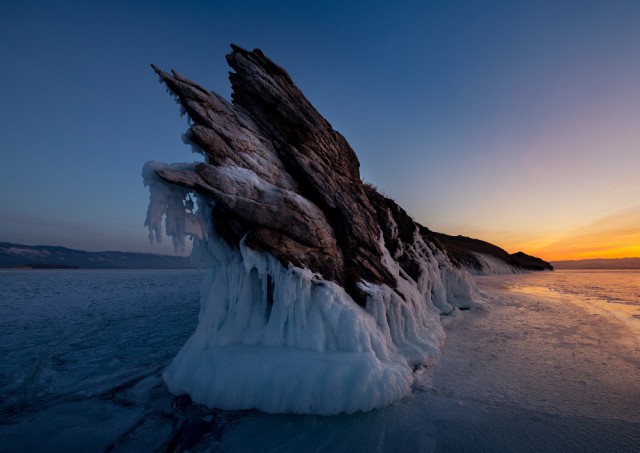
[(166, 201)]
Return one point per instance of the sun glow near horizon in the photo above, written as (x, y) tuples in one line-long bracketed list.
[(570, 192), (613, 236)]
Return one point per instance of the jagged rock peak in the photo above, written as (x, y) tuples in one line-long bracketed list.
[(305, 263), (273, 132)]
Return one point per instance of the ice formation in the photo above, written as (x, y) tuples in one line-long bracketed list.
[(168, 202), (286, 340), (283, 340), (491, 265), (321, 295)]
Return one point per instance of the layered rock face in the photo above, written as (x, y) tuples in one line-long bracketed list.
[(325, 283), (280, 174)]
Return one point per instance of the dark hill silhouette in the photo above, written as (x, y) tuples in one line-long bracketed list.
[(55, 257), (462, 249)]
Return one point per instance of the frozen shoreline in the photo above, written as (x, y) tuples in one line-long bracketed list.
[(534, 372)]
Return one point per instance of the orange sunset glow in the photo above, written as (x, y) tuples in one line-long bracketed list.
[(614, 236), (573, 193)]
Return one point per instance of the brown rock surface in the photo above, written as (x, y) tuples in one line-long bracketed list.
[(280, 173), (284, 180)]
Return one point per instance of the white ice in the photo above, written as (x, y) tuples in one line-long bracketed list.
[(307, 348), (283, 339), (494, 266)]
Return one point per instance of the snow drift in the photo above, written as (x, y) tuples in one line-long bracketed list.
[(321, 295)]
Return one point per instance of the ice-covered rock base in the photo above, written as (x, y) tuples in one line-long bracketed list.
[(285, 340), (322, 295), (490, 265)]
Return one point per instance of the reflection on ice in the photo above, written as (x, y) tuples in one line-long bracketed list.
[(610, 293)]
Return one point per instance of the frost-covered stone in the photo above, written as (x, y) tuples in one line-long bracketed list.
[(321, 295)]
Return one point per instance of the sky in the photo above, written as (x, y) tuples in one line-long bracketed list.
[(516, 122)]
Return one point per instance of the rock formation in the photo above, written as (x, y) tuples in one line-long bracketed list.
[(322, 295), (477, 256)]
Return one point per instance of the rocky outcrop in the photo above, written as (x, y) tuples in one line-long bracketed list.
[(473, 253), (281, 175), (317, 285), (530, 263)]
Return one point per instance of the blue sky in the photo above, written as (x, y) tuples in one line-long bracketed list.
[(516, 122)]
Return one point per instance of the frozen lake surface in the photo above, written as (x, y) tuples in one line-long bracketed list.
[(553, 365)]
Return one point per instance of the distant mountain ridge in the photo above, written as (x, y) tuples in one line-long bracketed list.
[(55, 257), (600, 263)]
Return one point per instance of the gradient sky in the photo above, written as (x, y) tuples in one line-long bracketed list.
[(517, 122)]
